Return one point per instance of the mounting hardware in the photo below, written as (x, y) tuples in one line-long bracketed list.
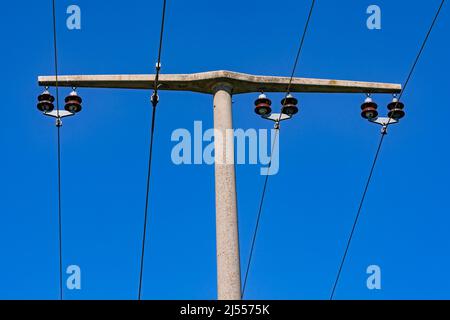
[(369, 112), (289, 105), (384, 122), (263, 105), (58, 122), (73, 102), (46, 106), (154, 99), (369, 108), (396, 109), (45, 101), (277, 117), (263, 108)]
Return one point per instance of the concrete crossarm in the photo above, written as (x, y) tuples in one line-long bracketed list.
[(205, 82)]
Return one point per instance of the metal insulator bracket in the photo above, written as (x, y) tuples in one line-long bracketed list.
[(275, 117), (384, 122), (58, 115)]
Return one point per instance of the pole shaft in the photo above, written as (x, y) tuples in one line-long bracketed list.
[(228, 262)]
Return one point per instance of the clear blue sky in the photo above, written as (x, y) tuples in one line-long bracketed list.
[(326, 152)]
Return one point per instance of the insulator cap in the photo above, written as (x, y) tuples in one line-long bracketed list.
[(395, 104), (396, 114), (290, 109), (73, 102), (73, 96), (45, 106), (289, 105), (46, 96), (369, 104), (45, 103), (369, 109), (289, 100), (263, 110), (369, 113), (263, 105), (262, 99)]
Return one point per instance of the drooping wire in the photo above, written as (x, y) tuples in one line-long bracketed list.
[(366, 188), (58, 125), (60, 216), (261, 203), (276, 134), (419, 54), (408, 78), (154, 100), (302, 41), (161, 38)]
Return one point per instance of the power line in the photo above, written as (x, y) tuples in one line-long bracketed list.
[(408, 78), (154, 101), (302, 41), (161, 38), (60, 216), (276, 134), (261, 203), (58, 125), (380, 144)]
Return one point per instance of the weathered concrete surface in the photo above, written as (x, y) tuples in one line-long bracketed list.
[(228, 264), (206, 81)]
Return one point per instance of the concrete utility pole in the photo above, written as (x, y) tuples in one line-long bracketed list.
[(222, 85)]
